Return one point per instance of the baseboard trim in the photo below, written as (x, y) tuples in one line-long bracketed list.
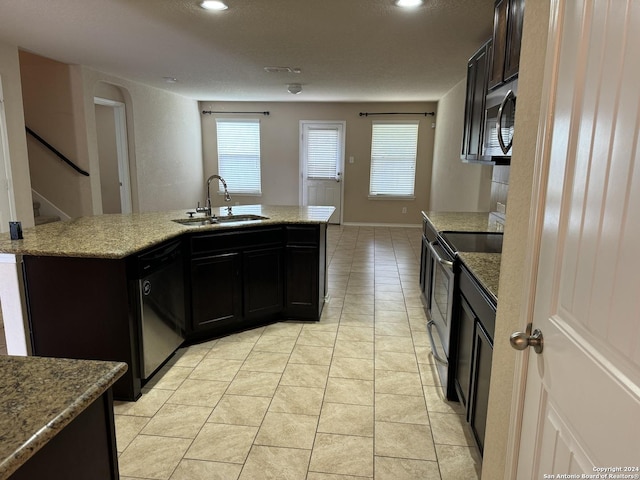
[(388, 225)]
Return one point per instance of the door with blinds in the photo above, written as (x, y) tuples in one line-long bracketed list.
[(321, 165)]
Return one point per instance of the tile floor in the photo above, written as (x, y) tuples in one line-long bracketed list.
[(353, 396)]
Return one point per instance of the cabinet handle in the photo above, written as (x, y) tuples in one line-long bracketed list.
[(504, 147), (434, 351)]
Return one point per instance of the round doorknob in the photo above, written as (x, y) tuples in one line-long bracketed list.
[(522, 340)]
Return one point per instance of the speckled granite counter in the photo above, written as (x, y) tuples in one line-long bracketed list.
[(40, 396), (462, 221), (117, 236), (485, 268)]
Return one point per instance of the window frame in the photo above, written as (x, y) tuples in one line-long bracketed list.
[(229, 177), (393, 196)]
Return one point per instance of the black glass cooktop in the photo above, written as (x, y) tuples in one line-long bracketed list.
[(473, 242)]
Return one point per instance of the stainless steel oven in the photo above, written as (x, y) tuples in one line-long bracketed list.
[(439, 309), (439, 275)]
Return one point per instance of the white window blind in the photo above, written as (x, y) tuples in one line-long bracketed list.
[(239, 155), (322, 152), (393, 158)]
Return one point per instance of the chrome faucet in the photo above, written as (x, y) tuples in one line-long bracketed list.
[(227, 197)]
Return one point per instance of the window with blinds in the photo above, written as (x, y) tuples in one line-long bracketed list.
[(394, 147), (239, 155), (323, 150)]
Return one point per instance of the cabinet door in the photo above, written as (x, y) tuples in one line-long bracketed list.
[(482, 357), (500, 29), (302, 297), (216, 290), (466, 325), (474, 105), (512, 50), (263, 285)]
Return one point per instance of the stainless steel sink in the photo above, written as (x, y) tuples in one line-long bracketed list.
[(201, 221), (195, 222), (239, 218)]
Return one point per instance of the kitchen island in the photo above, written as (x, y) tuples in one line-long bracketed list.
[(84, 285), (56, 418)]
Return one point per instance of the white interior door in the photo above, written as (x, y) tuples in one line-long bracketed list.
[(7, 204), (582, 401), (321, 165)]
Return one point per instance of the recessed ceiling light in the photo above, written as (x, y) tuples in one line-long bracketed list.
[(409, 3), (213, 5)]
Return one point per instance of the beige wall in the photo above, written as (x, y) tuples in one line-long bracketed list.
[(165, 146), (10, 73), (280, 155), (49, 98), (514, 253), (456, 186)]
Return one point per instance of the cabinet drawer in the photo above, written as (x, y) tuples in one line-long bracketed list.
[(302, 235), (235, 240)]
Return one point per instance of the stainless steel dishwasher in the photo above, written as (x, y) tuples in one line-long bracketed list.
[(160, 298)]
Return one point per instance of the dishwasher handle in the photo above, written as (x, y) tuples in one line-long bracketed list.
[(157, 258)]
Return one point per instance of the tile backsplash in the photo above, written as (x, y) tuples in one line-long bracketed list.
[(499, 188)]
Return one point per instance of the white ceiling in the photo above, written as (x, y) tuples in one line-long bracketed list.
[(348, 50)]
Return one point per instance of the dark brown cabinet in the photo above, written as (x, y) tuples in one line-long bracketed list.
[(305, 278), (80, 308), (475, 327), (216, 290), (263, 282), (473, 132), (236, 277), (85, 448), (240, 278), (507, 36)]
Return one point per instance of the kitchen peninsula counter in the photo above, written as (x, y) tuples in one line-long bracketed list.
[(463, 222), (101, 287), (40, 397), (117, 236)]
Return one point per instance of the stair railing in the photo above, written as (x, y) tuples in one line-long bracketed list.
[(56, 152)]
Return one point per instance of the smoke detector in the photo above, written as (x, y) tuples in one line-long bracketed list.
[(294, 88)]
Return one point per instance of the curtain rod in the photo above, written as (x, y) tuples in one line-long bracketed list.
[(236, 113), (366, 114)]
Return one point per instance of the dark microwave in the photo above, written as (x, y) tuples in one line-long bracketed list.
[(500, 114)]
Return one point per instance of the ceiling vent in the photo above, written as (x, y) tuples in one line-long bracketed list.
[(282, 70)]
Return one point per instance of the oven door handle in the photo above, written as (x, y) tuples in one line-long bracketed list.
[(434, 350), (439, 259)]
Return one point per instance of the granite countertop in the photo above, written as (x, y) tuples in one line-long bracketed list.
[(40, 396), (463, 221), (117, 236), (485, 267)]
